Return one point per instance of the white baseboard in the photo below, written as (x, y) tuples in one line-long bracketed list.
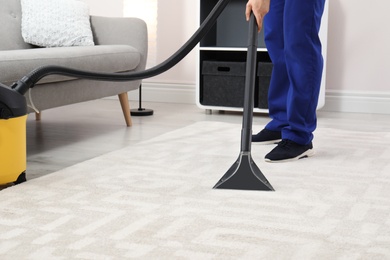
[(357, 102), (335, 101), (166, 93)]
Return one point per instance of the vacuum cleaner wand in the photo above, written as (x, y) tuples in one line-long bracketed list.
[(244, 173), (33, 77)]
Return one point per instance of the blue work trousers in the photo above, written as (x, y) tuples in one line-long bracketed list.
[(291, 35)]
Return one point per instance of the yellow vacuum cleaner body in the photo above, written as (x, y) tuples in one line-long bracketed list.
[(13, 115), (12, 149)]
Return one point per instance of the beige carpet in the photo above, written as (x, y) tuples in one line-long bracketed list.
[(155, 201)]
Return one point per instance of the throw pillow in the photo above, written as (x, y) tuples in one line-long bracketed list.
[(56, 23)]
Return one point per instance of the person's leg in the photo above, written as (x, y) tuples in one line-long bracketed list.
[(278, 89), (304, 61), (304, 65)]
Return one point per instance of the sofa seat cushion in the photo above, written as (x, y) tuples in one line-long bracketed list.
[(14, 64)]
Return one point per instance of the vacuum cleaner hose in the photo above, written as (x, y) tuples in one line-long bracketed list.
[(33, 77)]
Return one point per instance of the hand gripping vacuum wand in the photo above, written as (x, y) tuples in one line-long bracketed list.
[(13, 110)]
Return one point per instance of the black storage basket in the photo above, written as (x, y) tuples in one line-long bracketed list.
[(264, 72), (223, 83)]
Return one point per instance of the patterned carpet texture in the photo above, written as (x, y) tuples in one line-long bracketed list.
[(154, 200)]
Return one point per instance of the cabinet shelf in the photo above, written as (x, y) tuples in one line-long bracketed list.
[(225, 47), (229, 49)]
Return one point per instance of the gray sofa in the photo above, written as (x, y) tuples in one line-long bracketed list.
[(120, 46)]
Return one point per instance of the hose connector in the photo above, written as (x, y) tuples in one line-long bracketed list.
[(21, 86)]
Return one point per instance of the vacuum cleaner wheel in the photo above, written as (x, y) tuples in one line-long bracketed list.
[(21, 178)]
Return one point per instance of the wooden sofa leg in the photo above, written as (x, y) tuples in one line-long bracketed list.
[(38, 116), (124, 100)]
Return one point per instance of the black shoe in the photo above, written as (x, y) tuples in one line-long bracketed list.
[(266, 136), (288, 150)]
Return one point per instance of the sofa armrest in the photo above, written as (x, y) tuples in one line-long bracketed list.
[(121, 30)]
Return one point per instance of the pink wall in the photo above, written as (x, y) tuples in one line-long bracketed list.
[(358, 46), (112, 8)]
